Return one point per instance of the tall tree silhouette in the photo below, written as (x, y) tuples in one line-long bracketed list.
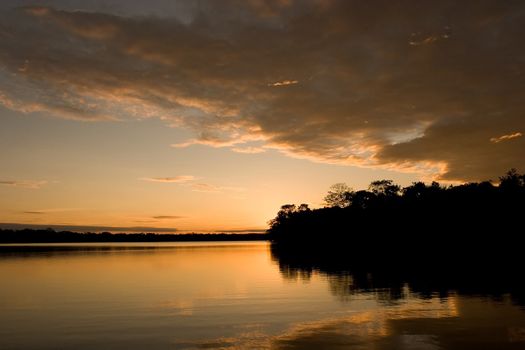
[(339, 195)]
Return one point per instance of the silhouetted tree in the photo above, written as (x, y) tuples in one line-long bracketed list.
[(415, 192), (512, 181), (362, 199), (384, 188), (303, 207), (339, 195)]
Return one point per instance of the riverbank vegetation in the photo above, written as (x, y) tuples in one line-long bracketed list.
[(421, 218)]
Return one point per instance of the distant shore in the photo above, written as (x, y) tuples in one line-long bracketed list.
[(51, 236)]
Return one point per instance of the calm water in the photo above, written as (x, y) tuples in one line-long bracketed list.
[(229, 295)]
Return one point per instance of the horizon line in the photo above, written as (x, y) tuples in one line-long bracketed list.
[(119, 229)]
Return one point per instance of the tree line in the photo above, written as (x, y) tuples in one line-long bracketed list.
[(388, 216), (51, 236)]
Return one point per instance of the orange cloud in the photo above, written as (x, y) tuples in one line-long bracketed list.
[(166, 217), (249, 150), (174, 179), (205, 187)]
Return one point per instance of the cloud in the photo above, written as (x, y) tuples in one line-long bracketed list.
[(249, 150), (284, 83), (205, 187), (87, 228), (31, 184), (188, 180), (418, 38), (425, 41), (175, 179), (411, 87), (216, 142), (66, 109), (224, 140), (167, 217), (50, 210), (505, 137)]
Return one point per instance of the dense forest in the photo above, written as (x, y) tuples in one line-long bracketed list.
[(419, 219)]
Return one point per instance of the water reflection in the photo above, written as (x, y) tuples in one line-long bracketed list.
[(453, 323), (443, 305), (362, 329), (57, 249), (245, 296), (496, 278)]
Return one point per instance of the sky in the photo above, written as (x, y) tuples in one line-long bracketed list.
[(209, 115)]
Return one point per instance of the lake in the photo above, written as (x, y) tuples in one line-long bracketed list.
[(235, 295)]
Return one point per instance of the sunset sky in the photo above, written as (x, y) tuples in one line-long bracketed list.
[(209, 115)]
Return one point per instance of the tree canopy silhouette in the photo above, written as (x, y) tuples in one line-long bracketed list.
[(339, 196), (386, 214)]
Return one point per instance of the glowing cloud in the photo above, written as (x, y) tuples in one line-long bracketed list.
[(249, 150), (505, 137), (284, 83), (175, 179)]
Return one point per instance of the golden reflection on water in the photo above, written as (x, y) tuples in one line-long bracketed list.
[(226, 296), (356, 329), (374, 323)]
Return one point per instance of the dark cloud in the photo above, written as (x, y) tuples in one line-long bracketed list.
[(419, 86)]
